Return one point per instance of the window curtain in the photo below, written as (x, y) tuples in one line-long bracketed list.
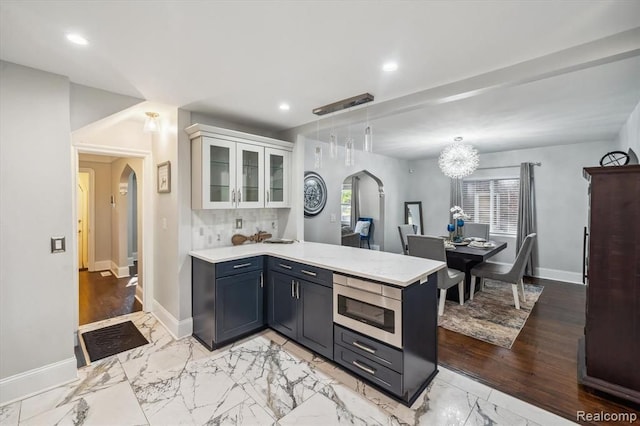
[(527, 213), (355, 201), (455, 195)]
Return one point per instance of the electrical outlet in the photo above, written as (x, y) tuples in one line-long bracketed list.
[(273, 225), (333, 218), (218, 239), (201, 231), (238, 223)]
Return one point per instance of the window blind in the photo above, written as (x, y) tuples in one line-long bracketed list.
[(492, 201)]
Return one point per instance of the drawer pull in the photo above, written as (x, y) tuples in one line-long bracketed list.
[(313, 274), (363, 347), (242, 265), (282, 265), (364, 367), (293, 292)]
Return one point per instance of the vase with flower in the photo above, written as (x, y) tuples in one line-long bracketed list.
[(459, 216)]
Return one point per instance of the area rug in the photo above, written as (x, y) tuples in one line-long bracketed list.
[(491, 316), (112, 340)]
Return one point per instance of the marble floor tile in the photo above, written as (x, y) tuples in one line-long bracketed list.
[(463, 382), (158, 337), (443, 404), (526, 410), (159, 363), (100, 375), (116, 405), (333, 409), (248, 412), (270, 375), (10, 414), (486, 413), (194, 395), (274, 336)]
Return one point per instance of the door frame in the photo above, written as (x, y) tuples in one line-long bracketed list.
[(91, 258), (147, 180)]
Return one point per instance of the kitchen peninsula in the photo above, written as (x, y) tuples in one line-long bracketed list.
[(371, 312)]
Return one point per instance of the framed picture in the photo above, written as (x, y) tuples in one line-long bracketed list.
[(164, 177)]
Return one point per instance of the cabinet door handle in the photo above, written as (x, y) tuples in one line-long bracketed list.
[(297, 289), (363, 347), (282, 265), (243, 265), (313, 274), (233, 196), (261, 280), (364, 367), (239, 196), (293, 291), (267, 196)]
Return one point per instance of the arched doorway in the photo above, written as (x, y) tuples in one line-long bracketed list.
[(366, 200)]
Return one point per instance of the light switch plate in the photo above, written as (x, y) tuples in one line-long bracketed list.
[(58, 245), (238, 223)]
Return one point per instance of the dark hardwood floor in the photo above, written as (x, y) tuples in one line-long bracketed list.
[(541, 366), (106, 297)]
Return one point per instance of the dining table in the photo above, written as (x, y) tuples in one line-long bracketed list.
[(464, 258)]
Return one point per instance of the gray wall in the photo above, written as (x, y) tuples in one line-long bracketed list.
[(36, 286), (89, 104), (629, 136), (561, 194), (392, 172)]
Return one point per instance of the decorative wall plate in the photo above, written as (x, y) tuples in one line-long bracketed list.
[(614, 158), (315, 194)]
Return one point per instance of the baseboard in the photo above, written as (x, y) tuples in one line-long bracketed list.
[(553, 274), (119, 271), (102, 265), (178, 329), (559, 275), (37, 380)]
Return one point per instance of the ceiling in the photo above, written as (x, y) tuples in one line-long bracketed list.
[(238, 60)]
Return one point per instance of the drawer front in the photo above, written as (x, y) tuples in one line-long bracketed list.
[(238, 266), (372, 349), (387, 379), (300, 270)]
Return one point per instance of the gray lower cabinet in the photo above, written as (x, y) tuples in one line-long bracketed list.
[(227, 300), (302, 310)]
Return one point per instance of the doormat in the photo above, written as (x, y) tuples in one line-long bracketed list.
[(491, 316), (105, 274), (112, 340)]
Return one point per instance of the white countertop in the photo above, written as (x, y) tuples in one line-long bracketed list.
[(396, 269)]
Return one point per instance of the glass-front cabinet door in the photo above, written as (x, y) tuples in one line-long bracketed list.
[(250, 176), (277, 165), (218, 173)]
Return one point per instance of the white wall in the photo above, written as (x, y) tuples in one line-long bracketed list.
[(561, 194), (629, 135), (89, 104), (36, 286), (391, 171)]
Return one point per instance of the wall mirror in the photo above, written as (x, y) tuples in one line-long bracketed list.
[(413, 214)]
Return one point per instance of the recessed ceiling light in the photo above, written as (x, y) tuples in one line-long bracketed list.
[(285, 107), (77, 39), (390, 66)]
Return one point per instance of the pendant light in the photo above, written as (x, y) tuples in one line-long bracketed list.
[(349, 151), (368, 137), (458, 160), (317, 154)]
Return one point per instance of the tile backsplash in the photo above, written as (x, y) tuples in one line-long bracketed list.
[(214, 228)]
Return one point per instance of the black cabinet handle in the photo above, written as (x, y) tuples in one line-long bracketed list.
[(282, 265), (364, 367), (363, 347), (313, 274), (243, 265), (585, 235)]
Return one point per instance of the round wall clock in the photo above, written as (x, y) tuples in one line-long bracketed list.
[(315, 194)]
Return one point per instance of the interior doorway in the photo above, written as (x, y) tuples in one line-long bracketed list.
[(83, 220), (366, 200), (108, 204)]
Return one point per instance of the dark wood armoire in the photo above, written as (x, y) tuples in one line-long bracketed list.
[(609, 353)]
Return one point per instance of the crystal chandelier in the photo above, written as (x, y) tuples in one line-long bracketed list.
[(458, 160)]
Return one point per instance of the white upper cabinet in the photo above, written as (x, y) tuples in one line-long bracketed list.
[(231, 169)]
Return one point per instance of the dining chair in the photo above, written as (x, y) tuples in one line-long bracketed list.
[(509, 274), (366, 236), (433, 248), (471, 229), (405, 230)]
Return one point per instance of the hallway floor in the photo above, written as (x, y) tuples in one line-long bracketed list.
[(106, 297), (264, 379)]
